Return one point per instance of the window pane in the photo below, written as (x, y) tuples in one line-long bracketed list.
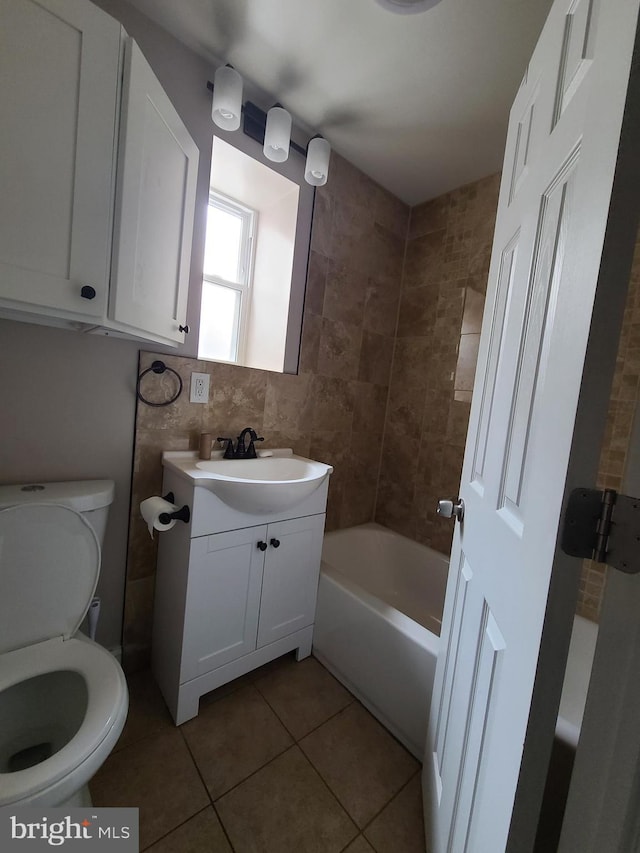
[(219, 322), (223, 243)]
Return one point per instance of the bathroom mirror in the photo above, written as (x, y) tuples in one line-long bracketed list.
[(255, 259)]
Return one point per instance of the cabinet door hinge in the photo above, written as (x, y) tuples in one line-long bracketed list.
[(603, 526)]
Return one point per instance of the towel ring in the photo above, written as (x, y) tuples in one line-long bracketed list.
[(159, 367)]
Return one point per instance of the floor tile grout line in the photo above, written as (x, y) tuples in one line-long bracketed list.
[(253, 773), (397, 794), (360, 829), (173, 829), (333, 794), (211, 801), (315, 728)]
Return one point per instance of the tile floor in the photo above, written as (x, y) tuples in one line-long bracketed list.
[(283, 759)]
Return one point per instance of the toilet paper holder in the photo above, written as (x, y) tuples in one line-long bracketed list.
[(181, 514)]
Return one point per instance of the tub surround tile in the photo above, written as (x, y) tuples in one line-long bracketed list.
[(369, 405), (303, 695), (376, 356), (360, 762), (288, 403), (310, 346), (231, 738), (443, 285), (391, 212), (467, 359), (202, 833), (285, 808), (473, 312), (157, 776), (418, 309), (345, 294), (380, 308), (333, 404), (339, 351), (428, 217), (322, 229), (400, 826), (410, 360), (316, 281)]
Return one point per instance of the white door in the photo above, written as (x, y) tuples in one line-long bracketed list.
[(60, 69), (155, 206), (535, 430)]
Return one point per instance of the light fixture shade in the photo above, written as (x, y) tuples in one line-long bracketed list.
[(316, 169), (408, 7), (277, 134), (226, 108)]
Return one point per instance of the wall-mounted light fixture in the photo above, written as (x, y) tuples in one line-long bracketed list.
[(227, 98), (272, 130)]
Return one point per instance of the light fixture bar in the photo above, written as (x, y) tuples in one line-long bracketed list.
[(317, 152)]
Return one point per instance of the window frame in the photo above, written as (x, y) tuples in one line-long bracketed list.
[(249, 218)]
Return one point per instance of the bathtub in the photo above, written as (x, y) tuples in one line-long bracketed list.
[(377, 628), (380, 600), (576, 680)]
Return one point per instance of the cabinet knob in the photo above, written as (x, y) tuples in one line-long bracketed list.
[(262, 546), (275, 543), (184, 329), (88, 292)]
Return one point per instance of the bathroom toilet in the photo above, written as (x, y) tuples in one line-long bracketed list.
[(63, 698)]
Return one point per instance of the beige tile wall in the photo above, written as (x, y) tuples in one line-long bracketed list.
[(332, 411), (616, 445), (444, 283), (386, 372)]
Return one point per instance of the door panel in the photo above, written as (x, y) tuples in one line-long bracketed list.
[(535, 426)]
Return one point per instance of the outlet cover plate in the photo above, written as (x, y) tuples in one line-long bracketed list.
[(199, 388)]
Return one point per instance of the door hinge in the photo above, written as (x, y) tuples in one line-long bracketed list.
[(603, 526)]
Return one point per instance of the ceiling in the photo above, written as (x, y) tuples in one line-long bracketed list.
[(419, 102)]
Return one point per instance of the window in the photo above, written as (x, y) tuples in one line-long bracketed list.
[(258, 221), (226, 286)]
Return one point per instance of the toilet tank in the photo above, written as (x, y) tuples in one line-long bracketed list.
[(92, 498)]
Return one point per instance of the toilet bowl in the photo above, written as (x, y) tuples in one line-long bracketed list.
[(63, 698)]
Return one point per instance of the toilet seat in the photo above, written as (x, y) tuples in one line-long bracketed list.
[(107, 701), (49, 568)]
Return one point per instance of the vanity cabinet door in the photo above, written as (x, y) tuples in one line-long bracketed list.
[(223, 599), (155, 206), (60, 67), (290, 582)]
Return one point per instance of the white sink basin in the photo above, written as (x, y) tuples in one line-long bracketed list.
[(264, 485)]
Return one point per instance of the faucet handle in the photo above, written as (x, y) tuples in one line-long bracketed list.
[(228, 452)]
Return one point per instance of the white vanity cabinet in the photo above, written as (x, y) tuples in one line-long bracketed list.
[(231, 600), (72, 251)]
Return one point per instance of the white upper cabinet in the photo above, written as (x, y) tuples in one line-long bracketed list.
[(80, 147), (155, 201), (60, 67)]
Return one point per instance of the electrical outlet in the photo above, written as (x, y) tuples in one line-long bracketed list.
[(199, 388)]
